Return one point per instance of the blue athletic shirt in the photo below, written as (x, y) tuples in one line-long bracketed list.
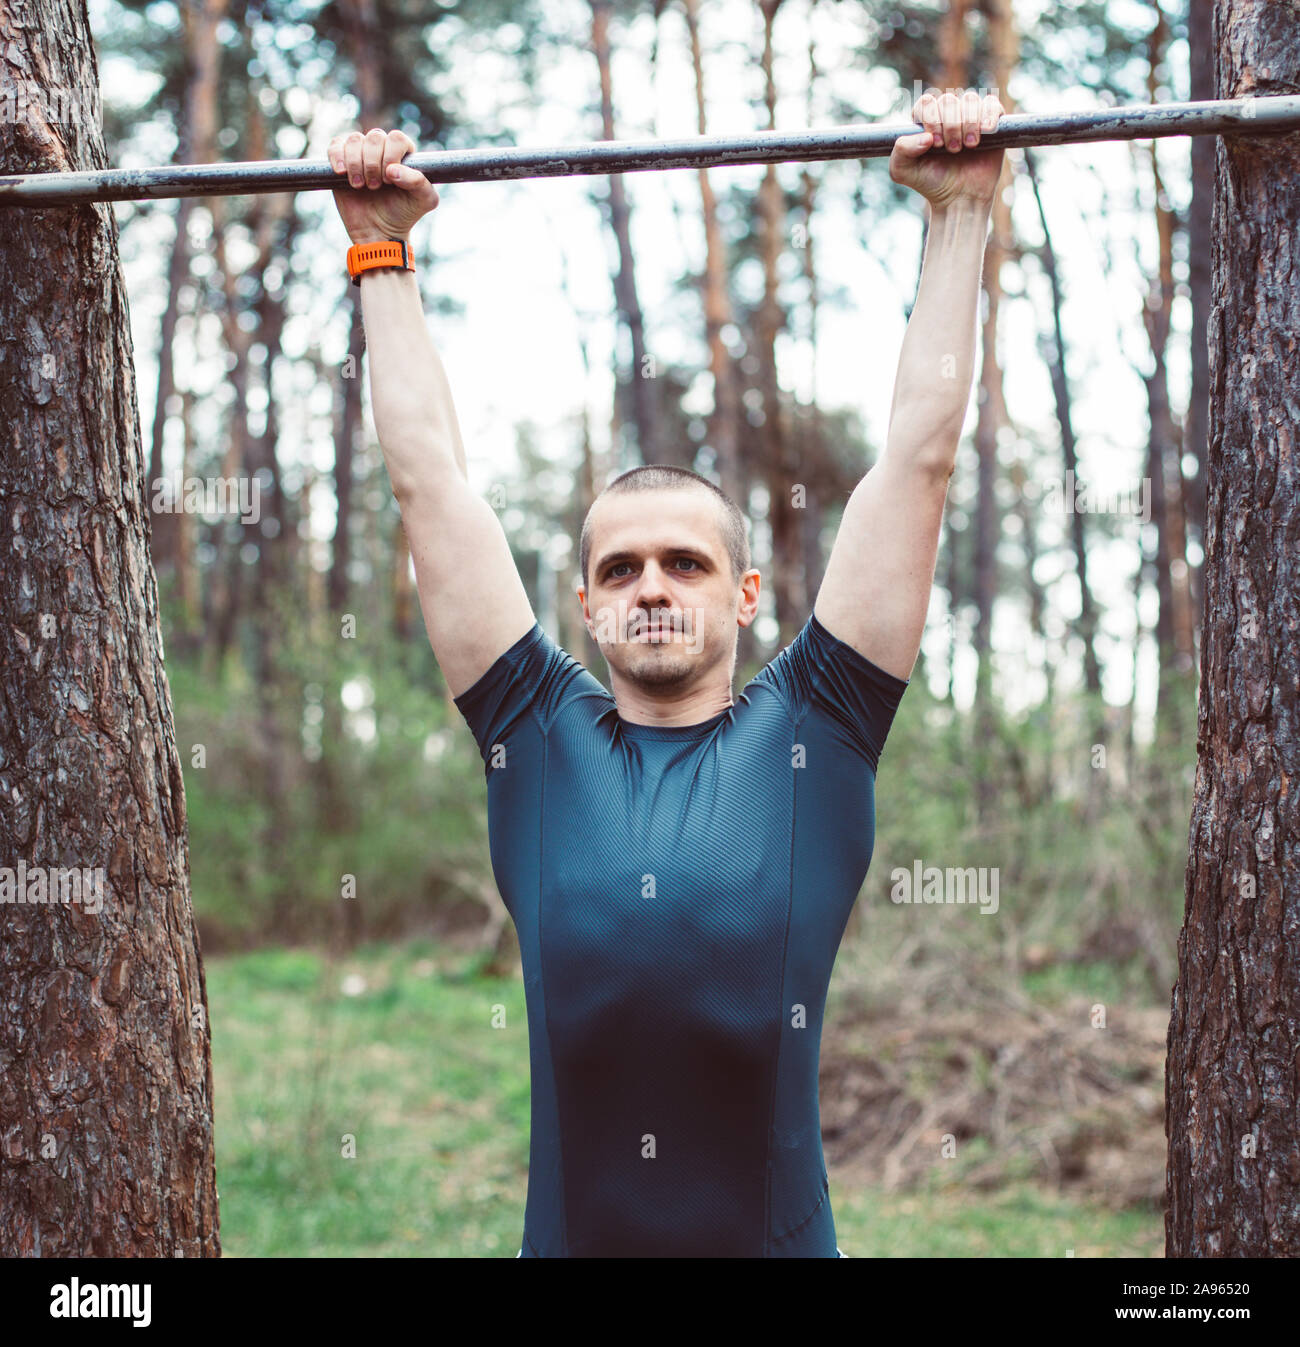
[(679, 894)]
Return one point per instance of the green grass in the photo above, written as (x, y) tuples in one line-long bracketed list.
[(1020, 1221), (1108, 983), (436, 1098)]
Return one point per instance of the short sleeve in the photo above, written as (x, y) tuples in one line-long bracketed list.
[(528, 681), (818, 671)]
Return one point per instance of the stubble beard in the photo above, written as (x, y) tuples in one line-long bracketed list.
[(660, 669), (659, 665)]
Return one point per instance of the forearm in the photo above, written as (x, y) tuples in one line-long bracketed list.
[(937, 362), (410, 397)]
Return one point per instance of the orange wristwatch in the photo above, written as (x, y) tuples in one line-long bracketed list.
[(368, 256)]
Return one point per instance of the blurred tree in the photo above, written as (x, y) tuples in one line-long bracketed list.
[(778, 456), (991, 418), (724, 423), (1056, 355), (1200, 46), (195, 144), (640, 382), (1174, 639)]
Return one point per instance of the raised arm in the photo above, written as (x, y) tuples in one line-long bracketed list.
[(876, 590), (474, 604)]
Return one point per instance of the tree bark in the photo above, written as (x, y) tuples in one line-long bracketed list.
[(106, 1092), (1232, 1092)]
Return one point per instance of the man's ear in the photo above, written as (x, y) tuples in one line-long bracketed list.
[(750, 584)]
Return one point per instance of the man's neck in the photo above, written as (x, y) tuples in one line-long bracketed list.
[(638, 704)]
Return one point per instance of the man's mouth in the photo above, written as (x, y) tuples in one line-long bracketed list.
[(654, 628)]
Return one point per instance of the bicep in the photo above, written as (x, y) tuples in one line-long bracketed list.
[(474, 603), (876, 591)]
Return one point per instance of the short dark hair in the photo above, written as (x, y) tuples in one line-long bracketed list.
[(663, 477)]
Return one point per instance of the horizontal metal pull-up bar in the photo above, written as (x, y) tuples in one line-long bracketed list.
[(1241, 116)]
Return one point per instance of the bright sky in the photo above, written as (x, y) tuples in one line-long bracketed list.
[(512, 354)]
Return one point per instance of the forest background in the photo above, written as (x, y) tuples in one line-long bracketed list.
[(991, 1082)]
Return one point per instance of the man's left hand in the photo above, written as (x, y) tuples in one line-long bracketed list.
[(955, 121)]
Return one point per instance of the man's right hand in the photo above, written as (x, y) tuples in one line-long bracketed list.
[(393, 197)]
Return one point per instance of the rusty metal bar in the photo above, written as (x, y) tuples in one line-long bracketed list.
[(1242, 116)]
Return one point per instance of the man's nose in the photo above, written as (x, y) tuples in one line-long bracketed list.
[(653, 585)]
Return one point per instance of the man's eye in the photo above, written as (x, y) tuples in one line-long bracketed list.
[(614, 570), (688, 561)]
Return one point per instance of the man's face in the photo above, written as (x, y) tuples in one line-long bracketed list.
[(661, 601)]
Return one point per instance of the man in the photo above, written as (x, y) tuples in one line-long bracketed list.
[(679, 865)]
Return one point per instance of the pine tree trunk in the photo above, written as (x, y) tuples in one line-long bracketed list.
[(780, 463), (277, 689), (573, 634), (1164, 464), (1232, 1092), (955, 45), (228, 573), (991, 414), (347, 424), (641, 376), (363, 31), (106, 1137), (164, 540), (1069, 454), (956, 599), (187, 636), (724, 424), (196, 144), (1204, 149), (813, 455), (403, 607)]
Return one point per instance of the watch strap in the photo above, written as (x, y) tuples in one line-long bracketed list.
[(363, 257)]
